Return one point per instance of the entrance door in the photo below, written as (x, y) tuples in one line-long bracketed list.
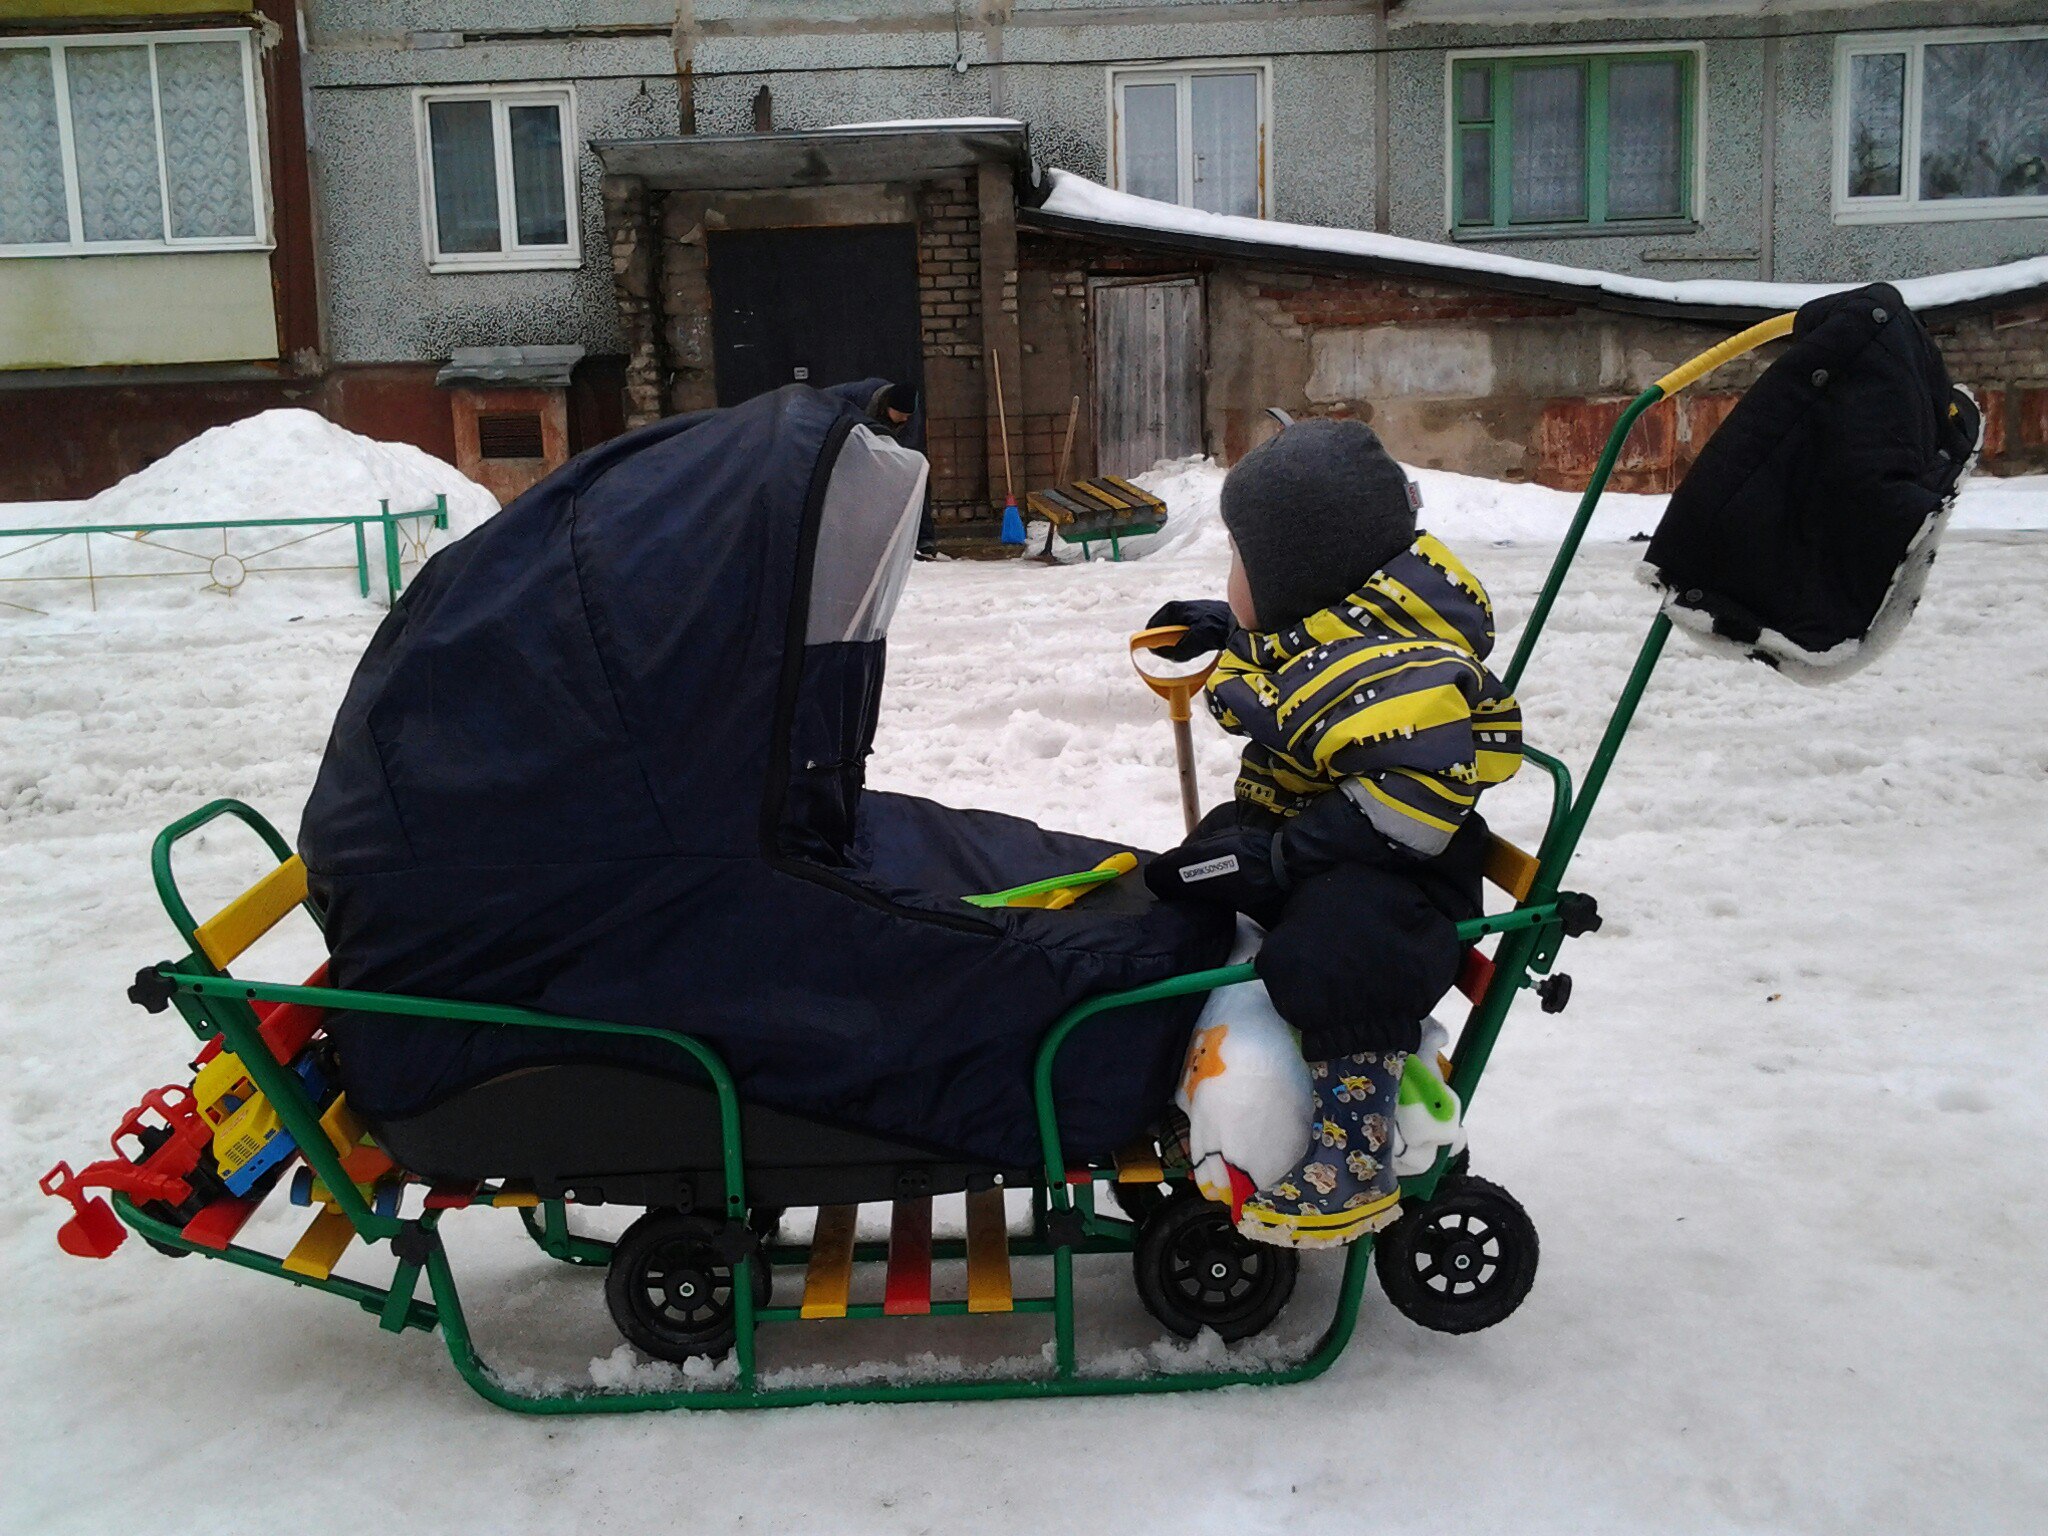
[(1148, 373), (813, 306)]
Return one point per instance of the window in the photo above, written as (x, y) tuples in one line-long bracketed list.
[(497, 174), (1554, 142), (1192, 136), (1942, 126), (128, 142)]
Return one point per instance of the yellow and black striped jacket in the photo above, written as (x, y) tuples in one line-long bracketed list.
[(1385, 694)]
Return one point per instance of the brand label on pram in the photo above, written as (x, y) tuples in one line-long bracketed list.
[(1209, 869)]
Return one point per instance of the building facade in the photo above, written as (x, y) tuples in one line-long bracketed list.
[(429, 179)]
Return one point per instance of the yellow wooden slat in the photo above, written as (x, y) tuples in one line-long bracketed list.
[(988, 1252), (515, 1195), (1139, 1164), (319, 1250), (1509, 868), (828, 1279), (252, 914)]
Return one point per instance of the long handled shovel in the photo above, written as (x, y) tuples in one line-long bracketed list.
[(1179, 693)]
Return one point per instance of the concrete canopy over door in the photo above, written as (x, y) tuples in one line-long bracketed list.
[(1148, 342)]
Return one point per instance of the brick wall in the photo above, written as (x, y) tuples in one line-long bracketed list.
[(1506, 385), (949, 304)]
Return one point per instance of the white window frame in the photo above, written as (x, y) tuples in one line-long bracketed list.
[(1908, 207), (1613, 228), (510, 256), (259, 155), (1179, 73)]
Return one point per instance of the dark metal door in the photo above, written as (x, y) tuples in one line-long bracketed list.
[(1148, 373), (816, 306)]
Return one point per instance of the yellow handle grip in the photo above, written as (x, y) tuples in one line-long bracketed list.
[(1177, 691), (1727, 351)]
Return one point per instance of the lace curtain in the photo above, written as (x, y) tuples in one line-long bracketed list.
[(206, 140), (1224, 113), (1643, 134), (32, 208), (1549, 143), (113, 133), (1984, 119), (1152, 141)]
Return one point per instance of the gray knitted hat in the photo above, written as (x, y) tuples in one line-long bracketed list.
[(1315, 511)]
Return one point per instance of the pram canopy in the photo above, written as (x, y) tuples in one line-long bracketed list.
[(605, 757)]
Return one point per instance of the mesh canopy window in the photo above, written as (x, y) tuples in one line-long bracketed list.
[(867, 534)]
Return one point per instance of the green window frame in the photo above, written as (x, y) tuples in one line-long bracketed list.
[(1481, 159)]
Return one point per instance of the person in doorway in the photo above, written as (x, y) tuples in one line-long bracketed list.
[(898, 409), (1353, 660)]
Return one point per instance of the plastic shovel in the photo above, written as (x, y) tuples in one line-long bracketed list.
[(1179, 692)]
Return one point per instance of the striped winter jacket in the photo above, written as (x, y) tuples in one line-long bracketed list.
[(1384, 694)]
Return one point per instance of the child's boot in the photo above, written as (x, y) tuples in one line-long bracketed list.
[(1344, 1187)]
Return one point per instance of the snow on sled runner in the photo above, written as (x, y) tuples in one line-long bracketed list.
[(309, 1103)]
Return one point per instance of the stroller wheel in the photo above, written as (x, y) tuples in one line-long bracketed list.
[(1195, 1271), (1462, 1262), (670, 1287)]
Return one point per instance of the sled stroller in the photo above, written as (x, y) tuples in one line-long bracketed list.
[(606, 756)]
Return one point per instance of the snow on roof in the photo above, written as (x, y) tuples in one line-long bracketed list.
[(935, 124), (1078, 199)]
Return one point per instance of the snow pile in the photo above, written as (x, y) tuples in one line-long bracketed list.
[(1077, 197), (1469, 510), (285, 463), (288, 463)]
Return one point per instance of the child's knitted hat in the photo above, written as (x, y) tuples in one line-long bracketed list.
[(1314, 512)]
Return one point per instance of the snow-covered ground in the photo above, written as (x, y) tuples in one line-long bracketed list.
[(1785, 1149)]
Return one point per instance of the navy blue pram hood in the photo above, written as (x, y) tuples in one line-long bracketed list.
[(604, 758)]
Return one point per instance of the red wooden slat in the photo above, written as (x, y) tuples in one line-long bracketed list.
[(215, 1227), (450, 1197), (1475, 975), (907, 1292)]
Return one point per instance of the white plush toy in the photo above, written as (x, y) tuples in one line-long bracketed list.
[(1245, 1090), (1246, 1094)]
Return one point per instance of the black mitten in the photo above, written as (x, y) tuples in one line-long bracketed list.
[(1208, 623)]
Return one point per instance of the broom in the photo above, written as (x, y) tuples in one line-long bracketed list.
[(1013, 520)]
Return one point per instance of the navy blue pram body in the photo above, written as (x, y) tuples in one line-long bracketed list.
[(604, 758)]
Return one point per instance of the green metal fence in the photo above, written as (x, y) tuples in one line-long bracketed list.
[(402, 537)]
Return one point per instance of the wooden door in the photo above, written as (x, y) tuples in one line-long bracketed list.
[(1148, 373)]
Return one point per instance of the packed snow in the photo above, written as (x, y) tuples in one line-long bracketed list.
[(1785, 1149), (284, 463), (1077, 197)]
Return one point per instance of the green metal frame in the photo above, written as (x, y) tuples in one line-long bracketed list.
[(384, 519), (1066, 1221)]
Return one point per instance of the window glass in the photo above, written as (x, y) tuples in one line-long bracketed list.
[(1984, 120), (1475, 93), (465, 176), (32, 210), (867, 534), (1152, 141), (206, 140), (113, 129), (540, 199), (1224, 111), (1475, 176), (1877, 124), (1549, 143), (1644, 138)]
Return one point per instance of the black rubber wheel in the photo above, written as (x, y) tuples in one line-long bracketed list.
[(1195, 1271), (1462, 1262), (670, 1290)]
